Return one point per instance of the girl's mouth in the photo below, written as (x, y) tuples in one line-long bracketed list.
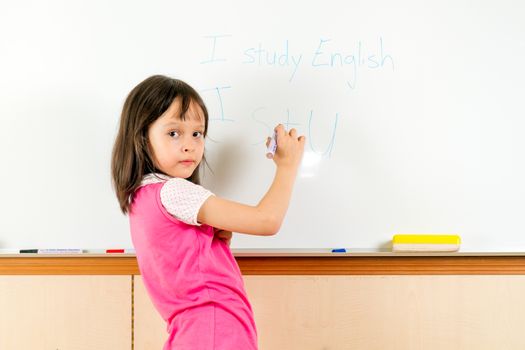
[(187, 162)]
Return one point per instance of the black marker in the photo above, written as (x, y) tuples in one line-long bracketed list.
[(29, 251)]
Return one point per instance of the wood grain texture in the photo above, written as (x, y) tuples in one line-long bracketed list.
[(355, 265), (371, 313), (65, 312), (388, 312)]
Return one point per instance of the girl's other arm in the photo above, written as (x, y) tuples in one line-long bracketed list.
[(266, 217)]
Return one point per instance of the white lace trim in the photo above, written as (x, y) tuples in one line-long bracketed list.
[(153, 178)]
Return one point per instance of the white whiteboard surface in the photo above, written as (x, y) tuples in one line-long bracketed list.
[(413, 113)]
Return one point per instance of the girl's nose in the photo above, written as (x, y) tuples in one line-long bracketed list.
[(188, 146)]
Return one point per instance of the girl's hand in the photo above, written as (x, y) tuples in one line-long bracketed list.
[(290, 148), (224, 235)]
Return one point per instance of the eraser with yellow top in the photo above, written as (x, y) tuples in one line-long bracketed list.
[(425, 243)]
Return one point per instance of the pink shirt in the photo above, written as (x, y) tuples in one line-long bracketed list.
[(191, 277)]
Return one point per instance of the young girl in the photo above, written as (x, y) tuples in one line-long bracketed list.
[(181, 231)]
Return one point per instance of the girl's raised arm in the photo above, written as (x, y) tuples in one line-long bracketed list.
[(265, 218)]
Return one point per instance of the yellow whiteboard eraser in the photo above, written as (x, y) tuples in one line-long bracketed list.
[(425, 243)]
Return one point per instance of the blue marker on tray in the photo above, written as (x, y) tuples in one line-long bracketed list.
[(339, 250)]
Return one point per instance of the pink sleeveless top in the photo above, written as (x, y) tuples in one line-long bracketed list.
[(191, 277)]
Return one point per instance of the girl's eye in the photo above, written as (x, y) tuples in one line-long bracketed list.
[(174, 133), (197, 134)]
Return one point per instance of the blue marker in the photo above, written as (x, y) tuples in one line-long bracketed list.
[(272, 147), (339, 250)]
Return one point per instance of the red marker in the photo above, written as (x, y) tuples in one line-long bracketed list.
[(114, 250)]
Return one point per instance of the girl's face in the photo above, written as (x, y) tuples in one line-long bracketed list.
[(178, 145)]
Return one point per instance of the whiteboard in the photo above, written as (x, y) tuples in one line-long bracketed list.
[(413, 113)]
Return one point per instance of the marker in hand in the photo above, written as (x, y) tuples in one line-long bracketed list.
[(272, 147)]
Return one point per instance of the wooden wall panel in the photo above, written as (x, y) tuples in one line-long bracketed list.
[(65, 312)]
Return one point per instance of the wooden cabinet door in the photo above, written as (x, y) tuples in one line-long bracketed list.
[(388, 312), (66, 312), (149, 327)]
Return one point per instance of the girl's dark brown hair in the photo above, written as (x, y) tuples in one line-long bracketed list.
[(131, 158)]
